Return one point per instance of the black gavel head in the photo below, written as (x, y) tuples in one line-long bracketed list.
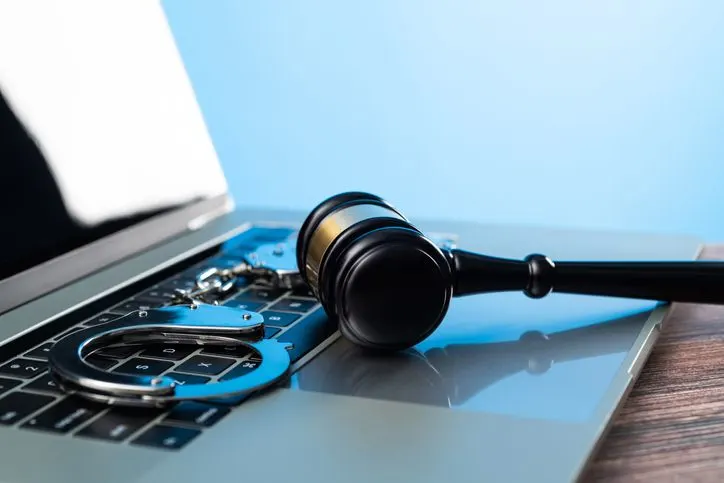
[(386, 284)]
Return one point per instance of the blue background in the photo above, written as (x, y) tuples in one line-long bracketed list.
[(588, 114)]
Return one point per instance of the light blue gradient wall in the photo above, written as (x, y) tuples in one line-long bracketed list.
[(606, 114)]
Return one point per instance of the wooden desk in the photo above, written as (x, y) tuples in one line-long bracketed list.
[(671, 428)]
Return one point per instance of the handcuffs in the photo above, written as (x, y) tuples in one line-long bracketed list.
[(187, 324), (187, 320)]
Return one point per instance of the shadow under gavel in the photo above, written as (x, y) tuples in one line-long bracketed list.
[(450, 375)]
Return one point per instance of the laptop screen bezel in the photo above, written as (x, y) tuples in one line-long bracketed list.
[(72, 266)]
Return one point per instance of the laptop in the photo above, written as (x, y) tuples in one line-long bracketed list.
[(113, 196)]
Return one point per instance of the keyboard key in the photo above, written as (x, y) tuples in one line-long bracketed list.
[(242, 369), (226, 350), (133, 305), (244, 304), (183, 283), (183, 379), (279, 319), (119, 352), (172, 352), (308, 333), (157, 294), (238, 247), (268, 234), (303, 291), (18, 405), (67, 332), (294, 305), (7, 384), (206, 365), (100, 319), (169, 437), (242, 282), (40, 352), (101, 362), (158, 301), (23, 368), (64, 416), (143, 367), (118, 423), (45, 383), (261, 294), (198, 414)]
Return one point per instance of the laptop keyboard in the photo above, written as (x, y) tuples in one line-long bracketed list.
[(30, 400)]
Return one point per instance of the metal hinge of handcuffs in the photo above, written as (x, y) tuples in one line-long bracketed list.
[(187, 320)]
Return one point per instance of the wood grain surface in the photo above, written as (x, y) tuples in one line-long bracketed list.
[(671, 427)]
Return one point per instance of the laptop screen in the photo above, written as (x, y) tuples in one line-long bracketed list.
[(99, 127)]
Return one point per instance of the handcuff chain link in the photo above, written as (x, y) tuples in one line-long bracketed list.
[(219, 281)]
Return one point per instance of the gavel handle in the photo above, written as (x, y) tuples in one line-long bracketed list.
[(536, 276)]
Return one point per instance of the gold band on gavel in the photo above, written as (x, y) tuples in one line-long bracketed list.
[(332, 226)]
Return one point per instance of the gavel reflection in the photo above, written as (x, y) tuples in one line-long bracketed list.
[(452, 374)]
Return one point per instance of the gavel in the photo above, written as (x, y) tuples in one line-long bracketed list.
[(389, 286)]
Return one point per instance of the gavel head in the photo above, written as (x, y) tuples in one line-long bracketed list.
[(386, 284)]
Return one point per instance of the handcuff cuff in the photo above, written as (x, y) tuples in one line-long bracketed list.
[(188, 319), (200, 324)]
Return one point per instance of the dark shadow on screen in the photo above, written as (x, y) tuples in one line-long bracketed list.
[(35, 223)]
